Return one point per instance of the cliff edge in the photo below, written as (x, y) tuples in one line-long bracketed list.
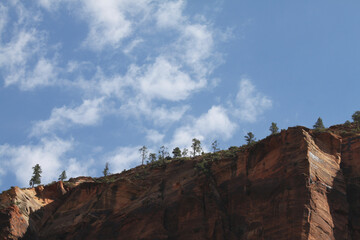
[(298, 184)]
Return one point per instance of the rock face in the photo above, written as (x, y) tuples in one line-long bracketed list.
[(298, 184)]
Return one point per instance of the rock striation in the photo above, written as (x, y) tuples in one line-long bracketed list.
[(298, 184)]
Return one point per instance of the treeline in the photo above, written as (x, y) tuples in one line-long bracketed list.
[(196, 149)]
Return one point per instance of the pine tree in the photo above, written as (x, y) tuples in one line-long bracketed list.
[(319, 125), (250, 138), (106, 170), (176, 152), (62, 176), (36, 178), (274, 128), (196, 146)]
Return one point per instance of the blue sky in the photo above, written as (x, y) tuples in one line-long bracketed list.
[(89, 82)]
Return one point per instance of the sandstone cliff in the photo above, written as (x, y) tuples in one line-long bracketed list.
[(298, 184)]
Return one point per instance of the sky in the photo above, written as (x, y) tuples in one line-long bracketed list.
[(87, 82)]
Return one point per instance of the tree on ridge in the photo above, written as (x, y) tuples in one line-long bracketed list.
[(215, 146), (250, 138), (106, 170), (274, 128), (196, 146), (319, 125), (143, 152), (36, 178), (62, 176), (176, 152)]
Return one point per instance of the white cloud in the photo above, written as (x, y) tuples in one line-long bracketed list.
[(213, 124), (49, 154), (50, 5), (160, 115), (165, 80), (113, 86), (3, 18), (44, 74), (110, 21), (124, 158), (100, 84), (87, 114), (75, 168), (178, 69), (169, 14), (154, 136), (251, 102), (19, 49), (128, 49), (197, 44), (22, 53)]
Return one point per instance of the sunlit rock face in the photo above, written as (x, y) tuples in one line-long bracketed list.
[(298, 184)]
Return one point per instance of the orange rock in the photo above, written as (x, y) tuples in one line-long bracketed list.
[(298, 184)]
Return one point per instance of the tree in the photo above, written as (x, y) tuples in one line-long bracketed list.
[(143, 152), (319, 125), (36, 178), (274, 128), (356, 117), (163, 153), (250, 138), (215, 146), (62, 176), (185, 152), (196, 146), (106, 170), (152, 157), (347, 123), (176, 152)]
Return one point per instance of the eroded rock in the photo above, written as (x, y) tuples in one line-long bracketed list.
[(298, 184)]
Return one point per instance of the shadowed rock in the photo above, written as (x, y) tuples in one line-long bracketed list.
[(298, 184)]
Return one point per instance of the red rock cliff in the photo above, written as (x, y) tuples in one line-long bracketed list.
[(298, 184)]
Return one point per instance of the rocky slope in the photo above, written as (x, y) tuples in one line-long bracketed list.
[(298, 184)]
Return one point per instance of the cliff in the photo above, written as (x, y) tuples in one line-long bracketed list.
[(298, 184)]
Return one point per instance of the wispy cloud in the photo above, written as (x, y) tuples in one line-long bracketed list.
[(22, 54), (75, 168), (159, 115), (130, 47), (154, 136), (87, 114), (49, 154), (3, 17), (123, 158), (165, 80), (169, 14), (251, 103), (151, 58), (215, 124), (43, 74), (50, 5)]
